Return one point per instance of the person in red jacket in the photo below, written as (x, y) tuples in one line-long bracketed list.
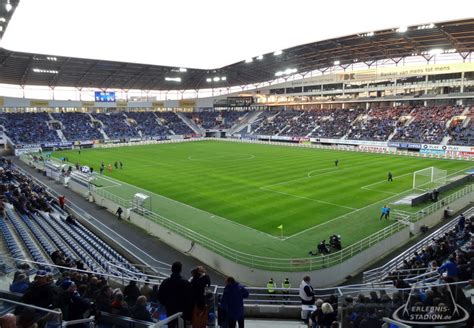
[(62, 201)]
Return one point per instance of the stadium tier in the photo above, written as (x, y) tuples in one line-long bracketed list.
[(415, 124), (329, 184)]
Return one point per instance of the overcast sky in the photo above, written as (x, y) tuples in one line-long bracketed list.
[(205, 33)]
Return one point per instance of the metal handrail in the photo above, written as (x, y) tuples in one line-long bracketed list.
[(31, 306), (178, 316), (380, 272), (286, 264)]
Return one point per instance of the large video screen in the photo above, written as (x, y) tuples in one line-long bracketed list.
[(101, 96)]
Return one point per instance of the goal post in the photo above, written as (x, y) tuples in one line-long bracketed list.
[(429, 178)]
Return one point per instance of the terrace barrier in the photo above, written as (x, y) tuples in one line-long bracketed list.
[(294, 264)]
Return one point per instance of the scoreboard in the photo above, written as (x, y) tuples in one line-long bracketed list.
[(101, 96), (234, 102), (239, 101)]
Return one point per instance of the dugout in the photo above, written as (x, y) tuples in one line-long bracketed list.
[(216, 134)]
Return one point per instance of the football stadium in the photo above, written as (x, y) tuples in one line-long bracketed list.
[(317, 173)]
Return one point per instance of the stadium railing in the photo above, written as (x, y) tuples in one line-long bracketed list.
[(286, 264), (381, 272), (163, 268), (271, 263)]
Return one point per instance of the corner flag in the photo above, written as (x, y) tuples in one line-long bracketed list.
[(280, 226)]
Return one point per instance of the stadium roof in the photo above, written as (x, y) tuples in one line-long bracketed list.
[(427, 40)]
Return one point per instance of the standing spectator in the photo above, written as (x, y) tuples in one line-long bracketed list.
[(119, 213), (306, 293), (131, 293), (175, 294), (233, 302), (199, 282), (62, 201), (461, 222), (154, 294), (451, 268)]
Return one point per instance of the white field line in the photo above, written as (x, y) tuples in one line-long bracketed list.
[(383, 192), (190, 158), (309, 175), (382, 181), (354, 211), (211, 215), (307, 198)]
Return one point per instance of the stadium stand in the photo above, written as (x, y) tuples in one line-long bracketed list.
[(427, 124), (78, 126), (116, 126), (462, 131), (223, 119), (147, 124), (404, 123), (40, 225), (28, 128), (174, 123), (379, 123)]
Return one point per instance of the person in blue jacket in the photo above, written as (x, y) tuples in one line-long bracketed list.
[(451, 268), (233, 302)]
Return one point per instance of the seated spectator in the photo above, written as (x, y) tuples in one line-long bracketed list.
[(139, 311), (42, 292), (119, 306), (146, 290), (20, 284)]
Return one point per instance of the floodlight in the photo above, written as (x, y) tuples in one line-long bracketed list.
[(173, 79), (216, 79), (336, 62), (370, 34), (182, 69), (46, 71), (2, 20), (431, 25), (436, 51), (249, 60), (402, 29), (208, 79), (1, 28), (8, 6), (223, 78), (277, 53), (287, 71), (260, 57)]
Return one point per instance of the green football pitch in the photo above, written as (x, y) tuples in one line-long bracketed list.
[(240, 194)]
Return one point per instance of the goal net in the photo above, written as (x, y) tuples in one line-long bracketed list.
[(429, 178)]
